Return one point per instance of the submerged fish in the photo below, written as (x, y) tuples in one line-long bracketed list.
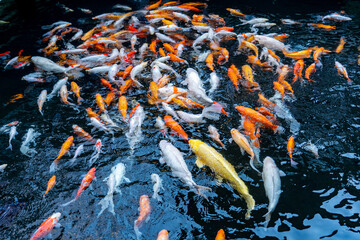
[(208, 156)]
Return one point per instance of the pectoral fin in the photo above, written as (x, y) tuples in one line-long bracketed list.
[(219, 180), (199, 163)]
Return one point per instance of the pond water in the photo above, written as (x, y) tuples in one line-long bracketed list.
[(320, 198)]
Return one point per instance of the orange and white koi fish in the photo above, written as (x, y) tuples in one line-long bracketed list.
[(290, 148), (64, 149), (250, 46), (342, 71), (256, 117), (175, 127), (76, 90), (46, 227), (319, 52), (214, 134), (235, 12), (341, 45), (122, 106), (310, 70), (298, 68), (64, 95), (41, 100), (145, 210), (85, 183), (244, 144), (82, 133), (220, 235), (161, 125), (163, 235), (51, 184), (96, 153), (153, 93)]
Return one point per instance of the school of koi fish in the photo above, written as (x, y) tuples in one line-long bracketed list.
[(156, 54)]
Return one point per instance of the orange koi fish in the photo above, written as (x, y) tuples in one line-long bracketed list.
[(233, 77), (210, 62), (124, 88), (265, 102), (145, 210), (109, 98), (274, 55), (280, 88), (82, 133), (235, 12), (133, 110), (175, 127), (237, 72), (122, 106), (162, 52), (46, 227), (318, 53), (100, 102), (127, 72), (310, 70), (15, 98), (290, 148), (323, 26), (175, 58), (220, 235), (85, 183), (224, 56), (190, 103), (341, 45), (153, 6), (152, 46), (287, 87), (50, 185), (342, 71), (163, 235), (168, 47), (256, 117), (105, 83), (246, 44), (163, 81), (64, 149), (298, 68), (91, 113), (298, 55), (214, 134), (76, 90), (153, 93)]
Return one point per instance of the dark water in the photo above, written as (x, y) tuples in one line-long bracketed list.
[(320, 199)]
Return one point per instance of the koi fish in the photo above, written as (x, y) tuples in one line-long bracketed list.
[(163, 235), (341, 45), (214, 134), (323, 26), (82, 133), (64, 149), (85, 183), (51, 184), (28, 138), (220, 235), (243, 143), (298, 55), (342, 71), (101, 103), (15, 98), (76, 90), (298, 68), (206, 155), (41, 100), (78, 152), (175, 127), (46, 227), (116, 177), (157, 186), (145, 210), (309, 71), (257, 117), (174, 159), (96, 153), (290, 148), (122, 106), (12, 134)]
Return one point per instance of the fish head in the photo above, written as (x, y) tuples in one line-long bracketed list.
[(56, 216), (194, 144)]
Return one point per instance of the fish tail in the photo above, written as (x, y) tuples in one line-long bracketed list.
[(136, 229), (250, 202), (79, 100), (68, 203), (267, 218), (10, 146), (201, 189), (252, 164), (107, 202), (157, 197), (293, 163), (53, 166)]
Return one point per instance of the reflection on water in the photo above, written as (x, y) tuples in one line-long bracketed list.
[(320, 199)]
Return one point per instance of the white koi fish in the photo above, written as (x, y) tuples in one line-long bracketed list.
[(57, 87), (78, 152), (29, 138), (47, 65), (157, 186), (41, 100), (272, 185), (174, 159), (12, 134)]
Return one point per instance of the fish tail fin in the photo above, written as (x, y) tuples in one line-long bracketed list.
[(53, 166), (201, 189), (9, 147), (250, 202), (68, 203), (107, 202), (80, 100), (252, 164), (278, 129), (136, 229), (93, 159), (267, 218), (293, 163), (157, 197)]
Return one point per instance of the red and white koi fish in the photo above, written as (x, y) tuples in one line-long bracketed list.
[(46, 227), (96, 153)]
